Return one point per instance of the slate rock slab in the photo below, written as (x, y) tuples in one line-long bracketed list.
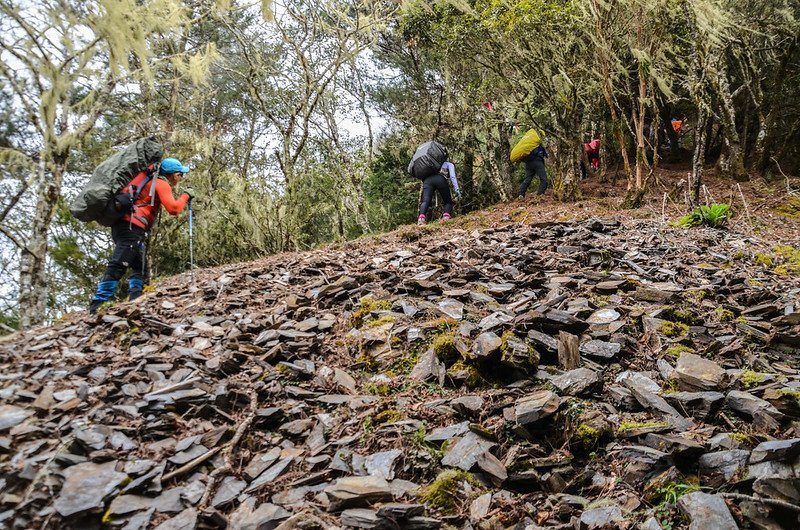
[(699, 405), (486, 345), (362, 518), (707, 511), (228, 490), (442, 434), (719, 467), (605, 518), (382, 464), (11, 416), (697, 373), (604, 316), (599, 349), (350, 492), (86, 487), (465, 453), (536, 406), (186, 520), (785, 450), (747, 403), (452, 308), (578, 382)]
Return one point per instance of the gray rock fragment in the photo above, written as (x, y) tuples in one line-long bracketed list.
[(599, 349), (784, 450), (350, 492), (605, 518), (382, 464), (86, 487), (695, 373), (720, 467), (707, 511), (186, 520), (465, 453), (578, 382), (536, 406)]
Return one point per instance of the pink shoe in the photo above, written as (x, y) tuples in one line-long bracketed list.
[(445, 216), (421, 219)]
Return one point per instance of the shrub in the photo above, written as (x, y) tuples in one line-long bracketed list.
[(713, 215)]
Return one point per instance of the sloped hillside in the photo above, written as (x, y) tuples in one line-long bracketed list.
[(584, 374)]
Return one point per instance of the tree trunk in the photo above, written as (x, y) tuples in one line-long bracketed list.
[(503, 157), (699, 156), (33, 290), (569, 157), (732, 162), (766, 132), (608, 94), (641, 154)]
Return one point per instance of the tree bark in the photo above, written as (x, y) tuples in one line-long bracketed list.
[(608, 94), (503, 156), (33, 291), (699, 156), (732, 161)]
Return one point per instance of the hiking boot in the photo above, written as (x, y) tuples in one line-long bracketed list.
[(520, 197), (421, 220), (94, 306)]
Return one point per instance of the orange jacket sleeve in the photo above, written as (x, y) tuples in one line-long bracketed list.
[(164, 192)]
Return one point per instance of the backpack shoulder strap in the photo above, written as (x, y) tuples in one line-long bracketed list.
[(154, 175)]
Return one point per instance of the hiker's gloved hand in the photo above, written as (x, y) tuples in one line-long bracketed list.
[(458, 195), (189, 192)]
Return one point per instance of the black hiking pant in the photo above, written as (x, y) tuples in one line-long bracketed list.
[(436, 182), (129, 253), (534, 165)]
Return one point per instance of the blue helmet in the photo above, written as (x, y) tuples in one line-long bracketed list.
[(172, 165)]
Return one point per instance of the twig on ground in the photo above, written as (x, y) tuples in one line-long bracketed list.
[(746, 209), (229, 448), (192, 464), (789, 190), (772, 502)]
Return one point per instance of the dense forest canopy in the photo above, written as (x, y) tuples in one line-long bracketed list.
[(298, 118)]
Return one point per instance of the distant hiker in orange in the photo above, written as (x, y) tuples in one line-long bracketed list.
[(130, 233)]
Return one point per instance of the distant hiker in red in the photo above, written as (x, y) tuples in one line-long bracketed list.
[(130, 233), (591, 153)]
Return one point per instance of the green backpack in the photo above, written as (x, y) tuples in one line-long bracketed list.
[(98, 195)]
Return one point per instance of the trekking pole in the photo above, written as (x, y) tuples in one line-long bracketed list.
[(191, 247)]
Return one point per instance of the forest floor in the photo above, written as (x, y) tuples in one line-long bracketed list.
[(533, 365)]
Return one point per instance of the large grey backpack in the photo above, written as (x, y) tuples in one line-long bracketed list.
[(113, 174), (427, 160)]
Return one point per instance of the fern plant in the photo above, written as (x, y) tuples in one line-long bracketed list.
[(712, 215)]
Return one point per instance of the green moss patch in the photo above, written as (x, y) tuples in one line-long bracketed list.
[(446, 493), (673, 329)]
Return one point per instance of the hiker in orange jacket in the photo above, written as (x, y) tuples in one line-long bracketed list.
[(130, 233)]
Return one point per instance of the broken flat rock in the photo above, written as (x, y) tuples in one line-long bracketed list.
[(350, 492), (578, 382), (86, 487), (694, 373), (536, 406), (783, 450), (465, 453), (706, 511), (382, 464), (11, 416), (486, 345), (599, 349)]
